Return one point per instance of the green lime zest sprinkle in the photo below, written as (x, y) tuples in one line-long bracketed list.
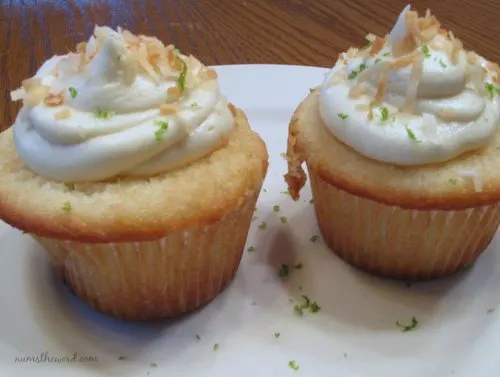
[(198, 337), (411, 326), (283, 271), (154, 365), (314, 238), (163, 127), (386, 54), (377, 60), (276, 208), (312, 306), (216, 346), (73, 92), (426, 51), (122, 358), (343, 116), (67, 206), (194, 105), (251, 249), (353, 74), (293, 364), (411, 135), (298, 266), (492, 89), (70, 186), (283, 219), (311, 201), (285, 192), (254, 218), (311, 90), (384, 111), (441, 63), (265, 190), (489, 311), (453, 181), (277, 335), (182, 77), (263, 225), (104, 115)]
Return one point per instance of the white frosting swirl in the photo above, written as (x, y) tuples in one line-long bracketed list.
[(122, 114), (429, 111)]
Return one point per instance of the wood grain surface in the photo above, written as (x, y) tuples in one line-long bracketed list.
[(304, 32)]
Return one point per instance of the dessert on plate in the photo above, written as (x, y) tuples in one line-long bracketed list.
[(402, 146), (132, 170)]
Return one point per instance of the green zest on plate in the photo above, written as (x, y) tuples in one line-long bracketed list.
[(163, 127), (154, 365), (284, 271), (312, 306), (411, 135), (70, 186), (490, 311), (182, 77), (342, 116), (298, 266), (384, 112), (251, 249), (277, 334), (216, 346), (102, 114), (492, 89), (314, 238), (441, 63), (276, 208), (285, 192), (194, 105), (73, 92), (377, 60), (283, 219), (453, 181), (263, 225), (122, 358), (411, 326), (426, 51), (355, 73), (386, 54), (67, 207), (198, 337), (293, 364)]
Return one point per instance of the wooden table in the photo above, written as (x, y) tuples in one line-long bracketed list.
[(305, 32)]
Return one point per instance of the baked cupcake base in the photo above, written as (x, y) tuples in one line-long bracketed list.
[(418, 222), (143, 248)]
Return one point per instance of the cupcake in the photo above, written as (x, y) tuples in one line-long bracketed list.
[(402, 147), (134, 173)]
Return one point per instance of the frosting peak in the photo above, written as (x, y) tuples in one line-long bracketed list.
[(413, 97), (120, 105)]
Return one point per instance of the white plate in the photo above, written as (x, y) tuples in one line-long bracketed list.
[(353, 335)]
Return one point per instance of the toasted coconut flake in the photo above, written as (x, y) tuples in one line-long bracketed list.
[(445, 115), (494, 71), (233, 109), (53, 99), (413, 26), (358, 90), (337, 78), (174, 92), (62, 114), (457, 46), (351, 53), (168, 110), (476, 178), (405, 60), (18, 94), (471, 57), (371, 37), (36, 95), (211, 74), (363, 107), (377, 46), (416, 74), (382, 84), (372, 70), (81, 47), (31, 83), (130, 38), (429, 33)]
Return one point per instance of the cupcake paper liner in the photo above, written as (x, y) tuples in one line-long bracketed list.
[(401, 243), (159, 278)]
